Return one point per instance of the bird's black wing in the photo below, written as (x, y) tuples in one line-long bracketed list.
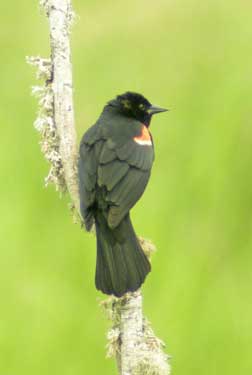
[(124, 172), (90, 148)]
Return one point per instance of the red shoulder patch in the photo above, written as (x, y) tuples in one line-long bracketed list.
[(144, 138)]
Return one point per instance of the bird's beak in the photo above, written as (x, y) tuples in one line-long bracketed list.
[(156, 109)]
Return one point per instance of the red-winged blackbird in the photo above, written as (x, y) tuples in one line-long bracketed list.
[(116, 156)]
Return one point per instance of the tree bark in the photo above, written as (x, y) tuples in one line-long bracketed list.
[(60, 16), (131, 331)]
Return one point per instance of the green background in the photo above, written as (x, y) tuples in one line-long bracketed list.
[(195, 57)]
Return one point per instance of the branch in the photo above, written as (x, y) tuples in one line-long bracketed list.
[(131, 338), (60, 16), (56, 115)]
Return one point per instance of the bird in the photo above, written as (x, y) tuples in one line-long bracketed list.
[(115, 161)]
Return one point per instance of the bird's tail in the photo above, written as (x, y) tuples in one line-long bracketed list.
[(121, 265)]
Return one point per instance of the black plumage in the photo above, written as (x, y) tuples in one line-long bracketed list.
[(116, 156)]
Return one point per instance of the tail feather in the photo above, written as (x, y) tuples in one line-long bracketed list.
[(121, 264)]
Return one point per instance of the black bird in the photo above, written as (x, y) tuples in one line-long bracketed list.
[(116, 156)]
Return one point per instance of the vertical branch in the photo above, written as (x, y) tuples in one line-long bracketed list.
[(132, 331), (60, 16), (131, 339)]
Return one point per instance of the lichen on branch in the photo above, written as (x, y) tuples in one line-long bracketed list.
[(45, 123)]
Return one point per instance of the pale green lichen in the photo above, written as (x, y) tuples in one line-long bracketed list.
[(150, 365), (45, 125), (45, 4), (113, 337), (112, 307), (149, 356), (44, 66), (148, 247), (154, 360)]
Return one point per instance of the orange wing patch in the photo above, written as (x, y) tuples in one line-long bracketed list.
[(144, 139)]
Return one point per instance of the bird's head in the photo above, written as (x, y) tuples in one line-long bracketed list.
[(135, 105)]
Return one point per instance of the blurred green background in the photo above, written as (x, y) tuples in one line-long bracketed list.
[(194, 57)]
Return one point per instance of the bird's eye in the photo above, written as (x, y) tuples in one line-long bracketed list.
[(141, 106)]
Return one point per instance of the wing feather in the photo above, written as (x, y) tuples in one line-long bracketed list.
[(125, 194), (107, 154), (139, 156), (90, 149), (111, 173)]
